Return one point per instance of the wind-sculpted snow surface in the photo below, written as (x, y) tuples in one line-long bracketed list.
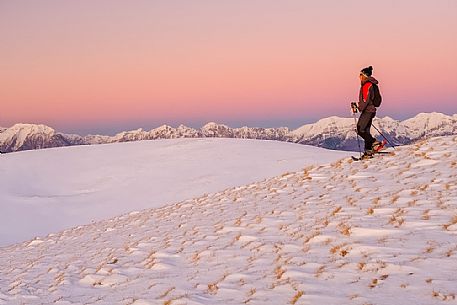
[(381, 231)]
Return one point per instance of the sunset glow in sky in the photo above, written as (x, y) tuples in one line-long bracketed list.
[(107, 65)]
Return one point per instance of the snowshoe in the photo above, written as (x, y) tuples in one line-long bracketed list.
[(378, 146), (368, 154)]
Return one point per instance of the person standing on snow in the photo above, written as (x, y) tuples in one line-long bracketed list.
[(368, 97)]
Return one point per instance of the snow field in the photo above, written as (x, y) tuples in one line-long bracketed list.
[(50, 190), (381, 231)]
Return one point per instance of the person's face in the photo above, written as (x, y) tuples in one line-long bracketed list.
[(362, 77)]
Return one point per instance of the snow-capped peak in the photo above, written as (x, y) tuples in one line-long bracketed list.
[(20, 133), (333, 122), (28, 129), (163, 127), (429, 123), (211, 125), (212, 129)]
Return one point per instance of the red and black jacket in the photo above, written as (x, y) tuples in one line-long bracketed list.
[(366, 95)]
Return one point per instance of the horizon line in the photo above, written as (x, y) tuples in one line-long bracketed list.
[(212, 122)]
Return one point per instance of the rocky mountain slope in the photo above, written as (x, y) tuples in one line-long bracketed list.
[(332, 133), (379, 232)]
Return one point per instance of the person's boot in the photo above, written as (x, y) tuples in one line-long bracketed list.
[(368, 154)]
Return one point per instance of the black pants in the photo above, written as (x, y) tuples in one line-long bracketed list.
[(363, 128)]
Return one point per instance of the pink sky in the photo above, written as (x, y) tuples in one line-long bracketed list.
[(106, 65)]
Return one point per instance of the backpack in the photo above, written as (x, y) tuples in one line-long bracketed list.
[(377, 99)]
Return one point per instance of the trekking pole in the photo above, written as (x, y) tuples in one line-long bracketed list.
[(354, 111), (383, 136)]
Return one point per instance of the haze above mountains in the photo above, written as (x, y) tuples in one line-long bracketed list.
[(332, 133)]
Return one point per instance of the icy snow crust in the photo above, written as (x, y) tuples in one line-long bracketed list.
[(382, 231), (54, 189)]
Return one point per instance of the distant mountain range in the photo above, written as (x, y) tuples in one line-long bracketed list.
[(333, 133)]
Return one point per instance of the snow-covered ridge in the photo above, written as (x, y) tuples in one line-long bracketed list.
[(333, 133), (379, 232)]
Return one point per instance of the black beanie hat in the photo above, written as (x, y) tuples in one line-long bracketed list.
[(367, 71)]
